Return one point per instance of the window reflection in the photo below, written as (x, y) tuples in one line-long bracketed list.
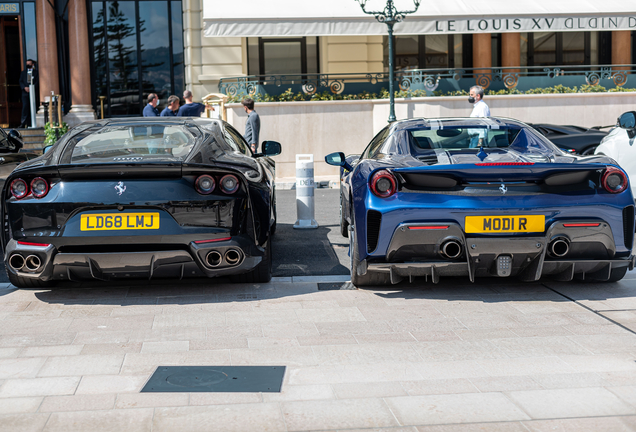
[(155, 49), (122, 57), (137, 50), (29, 31), (178, 66), (99, 49)]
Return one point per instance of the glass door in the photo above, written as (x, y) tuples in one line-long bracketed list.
[(10, 67)]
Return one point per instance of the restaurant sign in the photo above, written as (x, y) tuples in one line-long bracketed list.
[(9, 8), (496, 25)]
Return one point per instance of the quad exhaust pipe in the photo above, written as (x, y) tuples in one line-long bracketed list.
[(16, 262), (559, 247), (451, 249), (32, 263), (232, 257), (213, 258)]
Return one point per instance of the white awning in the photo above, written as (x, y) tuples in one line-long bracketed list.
[(345, 17)]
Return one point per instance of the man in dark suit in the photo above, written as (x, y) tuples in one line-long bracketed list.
[(24, 86)]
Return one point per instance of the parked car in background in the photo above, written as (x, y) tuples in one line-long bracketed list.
[(422, 201), (10, 155), (572, 139), (620, 145), (142, 198)]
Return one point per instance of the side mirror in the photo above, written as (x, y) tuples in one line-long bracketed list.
[(47, 148), (338, 159), (627, 121), (271, 148)]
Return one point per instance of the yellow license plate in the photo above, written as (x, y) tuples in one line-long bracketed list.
[(121, 221), (505, 224)]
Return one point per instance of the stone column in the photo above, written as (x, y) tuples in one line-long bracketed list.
[(82, 109), (621, 48), (510, 57), (510, 49), (47, 54), (482, 57)]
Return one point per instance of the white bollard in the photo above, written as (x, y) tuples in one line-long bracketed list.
[(305, 211)]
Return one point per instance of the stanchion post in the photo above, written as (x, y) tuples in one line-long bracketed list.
[(305, 211), (31, 97)]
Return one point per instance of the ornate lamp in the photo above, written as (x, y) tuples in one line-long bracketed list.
[(390, 16)]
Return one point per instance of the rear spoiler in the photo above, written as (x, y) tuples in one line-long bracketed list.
[(553, 174)]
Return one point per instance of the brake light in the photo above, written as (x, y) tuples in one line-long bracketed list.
[(577, 225), (205, 184), (212, 240), (39, 187), (429, 227), (614, 180), (23, 243), (504, 163), (19, 188), (383, 184), (229, 184)]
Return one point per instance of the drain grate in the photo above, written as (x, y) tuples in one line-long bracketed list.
[(332, 286), (216, 379)]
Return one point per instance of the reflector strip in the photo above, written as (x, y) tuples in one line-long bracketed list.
[(504, 163), (33, 244), (570, 225), (431, 227), (213, 240)]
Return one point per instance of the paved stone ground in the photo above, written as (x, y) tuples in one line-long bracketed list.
[(495, 356)]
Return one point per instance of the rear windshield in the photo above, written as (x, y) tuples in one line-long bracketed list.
[(137, 143), (461, 137)]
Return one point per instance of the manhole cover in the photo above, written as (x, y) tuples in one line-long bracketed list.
[(190, 379)]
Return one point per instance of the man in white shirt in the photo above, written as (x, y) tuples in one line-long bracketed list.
[(480, 109)]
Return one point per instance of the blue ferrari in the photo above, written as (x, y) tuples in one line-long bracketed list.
[(481, 197)]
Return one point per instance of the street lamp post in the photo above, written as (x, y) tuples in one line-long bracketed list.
[(390, 16)]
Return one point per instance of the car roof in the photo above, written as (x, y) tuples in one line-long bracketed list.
[(457, 122), (141, 120)]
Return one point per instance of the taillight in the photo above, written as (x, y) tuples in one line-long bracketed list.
[(39, 187), (383, 184), (229, 184), (19, 188), (614, 180), (205, 184)]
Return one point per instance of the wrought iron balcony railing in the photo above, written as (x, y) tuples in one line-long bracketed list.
[(431, 81)]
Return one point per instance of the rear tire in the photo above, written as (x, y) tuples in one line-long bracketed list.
[(368, 279), (617, 274), (262, 272), (22, 282)]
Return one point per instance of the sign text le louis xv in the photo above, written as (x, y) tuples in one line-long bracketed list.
[(535, 24)]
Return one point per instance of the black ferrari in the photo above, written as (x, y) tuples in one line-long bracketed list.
[(572, 139), (11, 153), (142, 198)]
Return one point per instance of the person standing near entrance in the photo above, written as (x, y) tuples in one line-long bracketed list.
[(252, 125), (151, 110), (171, 109), (26, 97), (480, 109), (190, 109)]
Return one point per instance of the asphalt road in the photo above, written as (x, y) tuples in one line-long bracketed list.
[(304, 252)]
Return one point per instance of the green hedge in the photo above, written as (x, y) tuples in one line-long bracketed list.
[(288, 95), (52, 134)]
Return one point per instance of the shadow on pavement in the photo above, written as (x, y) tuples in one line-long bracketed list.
[(308, 252)]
